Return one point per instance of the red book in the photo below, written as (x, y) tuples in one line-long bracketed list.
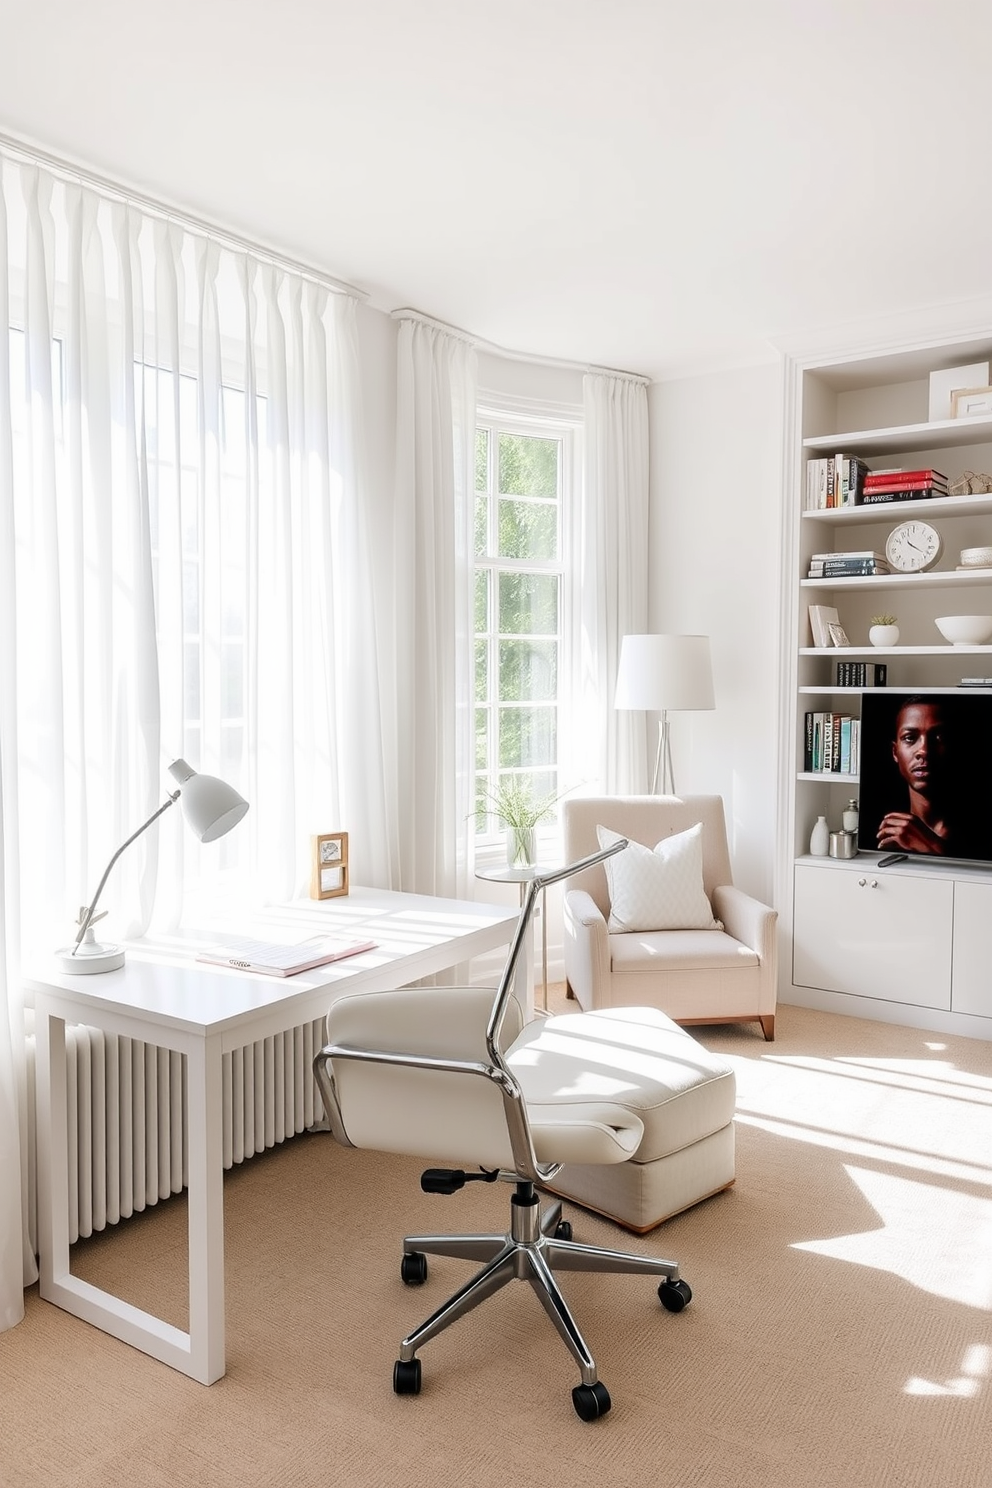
[(906, 485), (904, 478)]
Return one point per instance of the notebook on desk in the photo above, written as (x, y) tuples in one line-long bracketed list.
[(283, 960)]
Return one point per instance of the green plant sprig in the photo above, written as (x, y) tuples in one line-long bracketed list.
[(882, 620), (511, 802)]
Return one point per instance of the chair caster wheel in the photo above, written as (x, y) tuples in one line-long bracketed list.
[(563, 1230), (413, 1268), (591, 1401), (406, 1377), (674, 1295)]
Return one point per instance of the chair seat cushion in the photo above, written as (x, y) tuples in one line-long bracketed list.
[(634, 1059), (680, 950)]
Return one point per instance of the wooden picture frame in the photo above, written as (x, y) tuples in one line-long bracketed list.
[(328, 865)]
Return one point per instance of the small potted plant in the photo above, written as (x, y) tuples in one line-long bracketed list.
[(513, 803), (883, 630)]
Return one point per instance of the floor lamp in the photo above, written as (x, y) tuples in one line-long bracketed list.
[(665, 674)]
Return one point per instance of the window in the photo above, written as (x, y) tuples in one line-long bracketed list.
[(522, 469)]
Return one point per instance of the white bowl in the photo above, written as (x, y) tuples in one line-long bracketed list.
[(977, 557), (965, 630)]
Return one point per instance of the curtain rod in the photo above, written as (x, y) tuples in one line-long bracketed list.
[(516, 356), (23, 151)]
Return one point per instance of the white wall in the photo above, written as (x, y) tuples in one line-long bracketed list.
[(715, 570)]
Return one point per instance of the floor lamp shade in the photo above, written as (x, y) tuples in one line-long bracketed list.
[(665, 674)]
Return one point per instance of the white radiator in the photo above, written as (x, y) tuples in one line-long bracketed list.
[(127, 1116)]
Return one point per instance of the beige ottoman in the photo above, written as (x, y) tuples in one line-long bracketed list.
[(684, 1095)]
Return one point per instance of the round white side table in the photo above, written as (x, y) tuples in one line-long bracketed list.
[(523, 877)]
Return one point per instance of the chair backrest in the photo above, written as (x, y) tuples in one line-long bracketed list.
[(421, 1070), (644, 819)]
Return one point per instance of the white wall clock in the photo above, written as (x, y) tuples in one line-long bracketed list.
[(913, 547)]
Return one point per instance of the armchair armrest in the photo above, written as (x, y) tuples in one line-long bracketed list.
[(747, 920), (586, 945)]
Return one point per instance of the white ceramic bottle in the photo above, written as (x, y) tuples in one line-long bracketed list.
[(819, 841)]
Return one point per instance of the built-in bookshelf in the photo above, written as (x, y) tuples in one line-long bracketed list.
[(871, 412)]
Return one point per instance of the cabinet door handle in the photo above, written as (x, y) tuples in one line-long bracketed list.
[(873, 884), (862, 882)]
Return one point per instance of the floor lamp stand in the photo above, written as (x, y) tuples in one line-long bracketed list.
[(663, 759)]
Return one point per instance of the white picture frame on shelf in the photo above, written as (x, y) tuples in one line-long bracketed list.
[(946, 382), (973, 402), (821, 617), (838, 634)]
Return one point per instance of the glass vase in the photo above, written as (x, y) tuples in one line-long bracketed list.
[(521, 847)]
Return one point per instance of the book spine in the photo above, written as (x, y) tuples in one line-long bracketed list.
[(845, 745), (835, 743), (808, 744), (855, 746), (858, 568), (831, 472)]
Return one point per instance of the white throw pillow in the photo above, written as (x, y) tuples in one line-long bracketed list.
[(660, 889)]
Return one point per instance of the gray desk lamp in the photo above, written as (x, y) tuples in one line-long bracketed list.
[(664, 674), (211, 808)]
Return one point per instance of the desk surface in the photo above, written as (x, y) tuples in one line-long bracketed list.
[(162, 981)]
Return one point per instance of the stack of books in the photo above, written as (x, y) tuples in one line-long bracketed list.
[(832, 743), (882, 486), (835, 480), (853, 565)]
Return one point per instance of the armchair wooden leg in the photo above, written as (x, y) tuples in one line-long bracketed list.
[(568, 991), (767, 1021)]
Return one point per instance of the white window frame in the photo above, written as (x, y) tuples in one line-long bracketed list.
[(505, 414)]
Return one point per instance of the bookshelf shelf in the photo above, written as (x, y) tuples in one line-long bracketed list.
[(906, 439), (939, 580), (942, 506), (916, 940)]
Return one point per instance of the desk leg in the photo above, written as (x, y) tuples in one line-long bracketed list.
[(206, 1213), (200, 1352), (53, 1161)]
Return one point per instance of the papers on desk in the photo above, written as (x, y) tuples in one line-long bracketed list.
[(283, 960)]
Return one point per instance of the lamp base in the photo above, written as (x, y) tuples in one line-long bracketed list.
[(90, 958)]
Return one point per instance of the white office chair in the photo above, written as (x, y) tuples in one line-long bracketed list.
[(455, 1073)]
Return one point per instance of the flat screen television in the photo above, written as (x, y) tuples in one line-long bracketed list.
[(926, 775)]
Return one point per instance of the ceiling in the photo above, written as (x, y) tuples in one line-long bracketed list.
[(641, 184)]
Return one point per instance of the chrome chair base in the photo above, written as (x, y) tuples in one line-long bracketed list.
[(534, 1249)]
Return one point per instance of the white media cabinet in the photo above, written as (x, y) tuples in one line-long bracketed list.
[(910, 943)]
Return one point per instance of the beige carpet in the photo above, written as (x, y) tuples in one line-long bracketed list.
[(839, 1336)]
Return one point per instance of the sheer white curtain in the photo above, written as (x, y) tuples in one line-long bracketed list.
[(184, 570), (610, 581), (434, 733)]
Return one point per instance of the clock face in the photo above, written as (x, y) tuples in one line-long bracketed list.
[(913, 547)]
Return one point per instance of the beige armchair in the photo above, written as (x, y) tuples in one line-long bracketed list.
[(723, 975)]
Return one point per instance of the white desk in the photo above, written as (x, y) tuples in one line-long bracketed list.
[(164, 997)]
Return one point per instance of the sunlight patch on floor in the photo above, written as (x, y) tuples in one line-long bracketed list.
[(958, 1268), (974, 1369)]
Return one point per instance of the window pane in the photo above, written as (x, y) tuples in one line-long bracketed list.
[(528, 466), (527, 736), (528, 671), (481, 525), (481, 601), (528, 529), (481, 671), (528, 604), (482, 459)]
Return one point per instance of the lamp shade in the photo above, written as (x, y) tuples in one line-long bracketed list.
[(211, 806), (661, 673)]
